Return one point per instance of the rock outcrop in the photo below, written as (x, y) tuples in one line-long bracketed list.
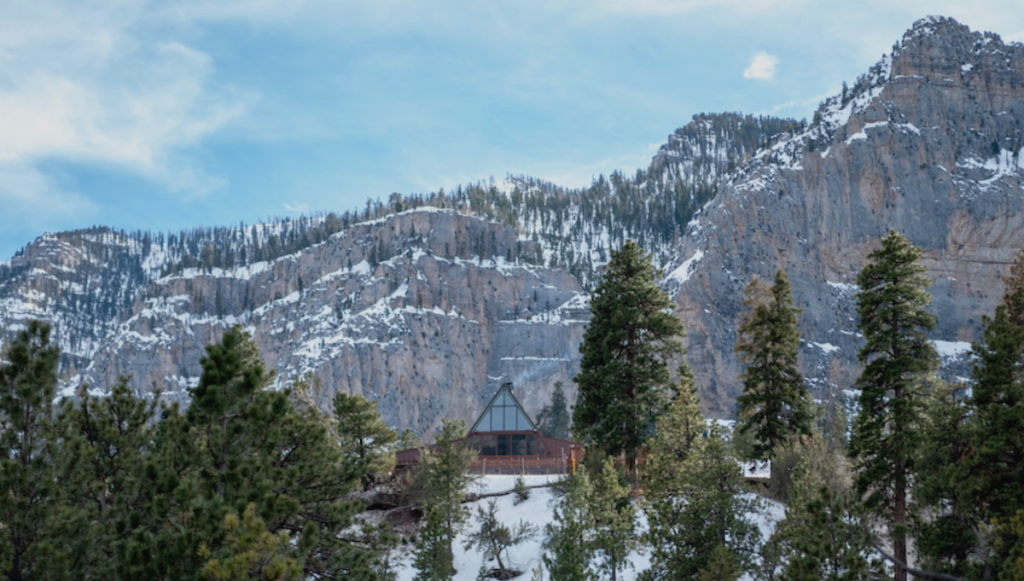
[(427, 312), (928, 144), (82, 282)]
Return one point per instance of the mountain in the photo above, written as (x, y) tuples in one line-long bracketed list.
[(926, 143), (426, 302), (424, 311), (342, 295)]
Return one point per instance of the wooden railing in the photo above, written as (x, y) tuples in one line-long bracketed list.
[(520, 465)]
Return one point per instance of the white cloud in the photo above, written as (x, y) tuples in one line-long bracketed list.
[(79, 83), (297, 208), (762, 67)]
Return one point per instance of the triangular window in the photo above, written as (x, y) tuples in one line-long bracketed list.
[(504, 414)]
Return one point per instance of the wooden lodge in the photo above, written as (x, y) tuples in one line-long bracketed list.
[(507, 441)]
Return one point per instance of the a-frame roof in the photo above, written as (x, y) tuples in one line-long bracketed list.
[(504, 413)]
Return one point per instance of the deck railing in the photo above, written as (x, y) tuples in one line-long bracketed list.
[(520, 465)]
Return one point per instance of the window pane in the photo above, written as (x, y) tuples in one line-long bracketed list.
[(524, 422), (519, 445), (510, 418)]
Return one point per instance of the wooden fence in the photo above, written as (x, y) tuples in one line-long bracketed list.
[(520, 465)]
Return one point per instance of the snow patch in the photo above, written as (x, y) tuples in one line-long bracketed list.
[(843, 287), (827, 348), (949, 350), (682, 274)]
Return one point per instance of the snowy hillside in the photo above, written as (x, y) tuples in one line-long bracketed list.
[(538, 510)]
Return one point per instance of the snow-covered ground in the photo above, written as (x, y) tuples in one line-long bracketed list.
[(538, 510)]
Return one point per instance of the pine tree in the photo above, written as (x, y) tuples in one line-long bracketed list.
[(276, 457), (946, 541), (494, 538), (697, 508), (30, 505), (820, 539), (898, 359), (365, 435), (554, 419), (721, 566), (678, 432), (446, 478), (230, 406), (569, 549), (775, 404), (105, 445), (433, 559), (255, 554), (614, 519), (996, 426), (625, 355), (994, 462)]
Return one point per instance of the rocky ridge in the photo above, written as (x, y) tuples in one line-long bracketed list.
[(927, 144), (426, 312)]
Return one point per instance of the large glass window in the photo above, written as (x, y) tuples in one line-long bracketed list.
[(503, 415), (507, 445)]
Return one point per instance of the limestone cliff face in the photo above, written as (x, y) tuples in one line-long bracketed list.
[(82, 282), (427, 312), (928, 144)]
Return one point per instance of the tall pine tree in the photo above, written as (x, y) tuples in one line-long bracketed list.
[(696, 506), (569, 548), (995, 427), (775, 404), (898, 360), (446, 465), (365, 435), (625, 353), (554, 419), (30, 507)]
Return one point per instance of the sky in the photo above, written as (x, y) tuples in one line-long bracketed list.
[(166, 115)]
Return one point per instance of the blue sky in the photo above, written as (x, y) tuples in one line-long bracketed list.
[(180, 113)]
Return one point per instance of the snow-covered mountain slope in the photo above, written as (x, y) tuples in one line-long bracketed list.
[(81, 282), (426, 311), (926, 143)]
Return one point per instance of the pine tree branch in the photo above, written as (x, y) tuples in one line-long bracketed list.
[(915, 572)]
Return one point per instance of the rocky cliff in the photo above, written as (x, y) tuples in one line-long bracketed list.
[(82, 282), (928, 144), (426, 312)]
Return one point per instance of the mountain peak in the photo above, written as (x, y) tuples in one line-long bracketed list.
[(940, 49)]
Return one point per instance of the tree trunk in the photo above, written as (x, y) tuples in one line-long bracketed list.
[(899, 535), (223, 456)]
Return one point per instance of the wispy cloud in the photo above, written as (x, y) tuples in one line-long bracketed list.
[(106, 95), (762, 67), (296, 208), (34, 201)]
